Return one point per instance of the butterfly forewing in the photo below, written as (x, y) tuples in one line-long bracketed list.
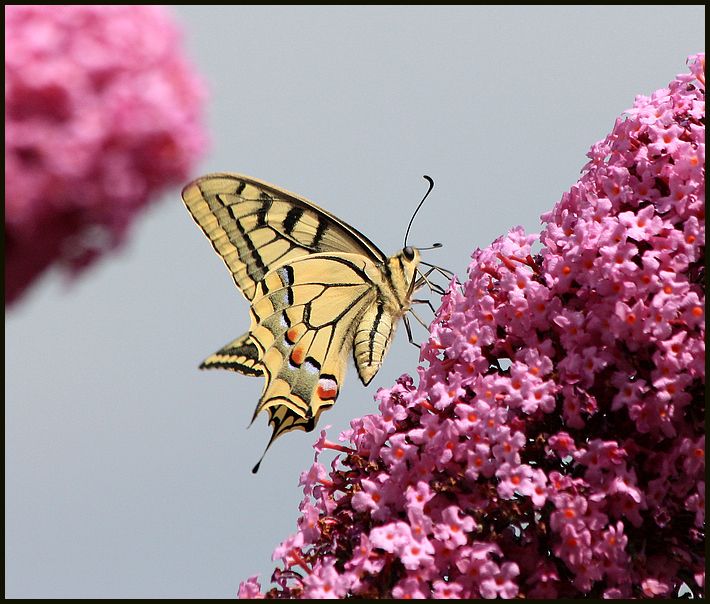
[(254, 226)]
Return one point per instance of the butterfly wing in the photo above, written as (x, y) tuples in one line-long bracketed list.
[(304, 317), (255, 226), (239, 355)]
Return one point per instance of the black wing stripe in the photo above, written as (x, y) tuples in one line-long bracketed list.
[(375, 326), (257, 275), (292, 218), (268, 201), (320, 231), (353, 238), (233, 365)]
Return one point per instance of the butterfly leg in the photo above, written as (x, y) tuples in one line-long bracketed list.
[(408, 327), (423, 279), (415, 301), (418, 318), (447, 274), (436, 288), (432, 286)]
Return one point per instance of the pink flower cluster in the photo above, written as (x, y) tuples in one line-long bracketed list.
[(554, 446), (102, 111)]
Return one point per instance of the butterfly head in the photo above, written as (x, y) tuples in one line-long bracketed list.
[(403, 268)]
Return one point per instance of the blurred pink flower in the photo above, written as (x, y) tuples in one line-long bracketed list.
[(102, 112), (554, 446)]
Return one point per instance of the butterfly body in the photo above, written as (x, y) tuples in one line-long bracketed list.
[(319, 291)]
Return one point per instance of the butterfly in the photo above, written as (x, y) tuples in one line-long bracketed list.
[(319, 291)]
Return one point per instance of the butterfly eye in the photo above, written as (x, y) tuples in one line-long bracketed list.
[(408, 253)]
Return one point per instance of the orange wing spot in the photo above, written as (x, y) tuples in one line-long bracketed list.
[(297, 356), (292, 335), (327, 389)]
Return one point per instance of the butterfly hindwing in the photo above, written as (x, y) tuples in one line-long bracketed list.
[(240, 355), (303, 320)]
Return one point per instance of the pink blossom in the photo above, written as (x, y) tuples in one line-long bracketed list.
[(325, 582), (103, 112), (371, 497), (391, 537), (308, 521), (416, 554), (365, 560), (479, 461), (418, 495), (287, 547), (452, 527), (411, 588), (250, 589), (653, 588), (501, 583), (553, 446), (443, 590)]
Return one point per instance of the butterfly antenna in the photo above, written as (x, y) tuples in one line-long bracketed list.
[(435, 287), (409, 226)]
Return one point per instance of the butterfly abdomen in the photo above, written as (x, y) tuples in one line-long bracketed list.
[(375, 330), (372, 338)]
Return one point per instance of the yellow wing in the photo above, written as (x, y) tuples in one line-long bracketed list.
[(255, 226), (239, 355), (304, 317)]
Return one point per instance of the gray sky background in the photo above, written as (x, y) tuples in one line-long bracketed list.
[(127, 469)]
